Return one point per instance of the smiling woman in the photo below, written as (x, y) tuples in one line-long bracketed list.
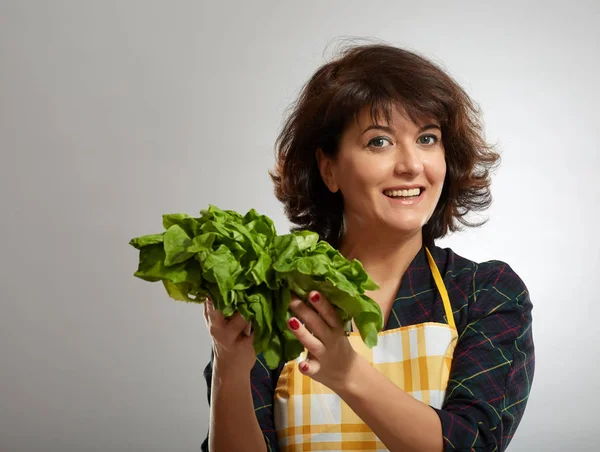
[(394, 180), (382, 89), (383, 154)]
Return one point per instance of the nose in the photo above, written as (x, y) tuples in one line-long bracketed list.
[(408, 160)]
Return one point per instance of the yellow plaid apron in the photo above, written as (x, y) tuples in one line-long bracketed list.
[(417, 358)]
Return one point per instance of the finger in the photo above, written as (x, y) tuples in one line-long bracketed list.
[(205, 313), (311, 318), (249, 339), (248, 329), (236, 324), (214, 321), (216, 317), (314, 346), (309, 368), (325, 309)]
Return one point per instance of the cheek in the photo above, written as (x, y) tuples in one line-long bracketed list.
[(435, 170), (358, 174), (441, 175)]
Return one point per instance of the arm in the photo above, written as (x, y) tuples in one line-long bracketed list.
[(241, 415), (493, 366), (489, 382), (401, 422)]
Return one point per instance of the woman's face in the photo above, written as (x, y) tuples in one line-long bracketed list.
[(390, 175)]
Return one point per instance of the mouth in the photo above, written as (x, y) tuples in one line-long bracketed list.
[(404, 193)]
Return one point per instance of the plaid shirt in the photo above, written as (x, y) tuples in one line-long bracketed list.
[(493, 363)]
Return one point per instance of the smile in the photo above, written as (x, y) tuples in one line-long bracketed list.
[(405, 197), (410, 193)]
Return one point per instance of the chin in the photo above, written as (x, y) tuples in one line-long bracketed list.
[(407, 227)]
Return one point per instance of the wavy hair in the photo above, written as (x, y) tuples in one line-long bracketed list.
[(380, 77)]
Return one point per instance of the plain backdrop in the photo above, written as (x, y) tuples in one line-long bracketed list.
[(115, 112)]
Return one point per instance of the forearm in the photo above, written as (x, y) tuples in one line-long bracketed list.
[(233, 423), (399, 420)]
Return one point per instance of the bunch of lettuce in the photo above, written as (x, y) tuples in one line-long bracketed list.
[(241, 263)]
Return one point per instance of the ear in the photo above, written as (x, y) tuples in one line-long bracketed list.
[(326, 171)]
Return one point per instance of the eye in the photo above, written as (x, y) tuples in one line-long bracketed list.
[(378, 142), (431, 140)]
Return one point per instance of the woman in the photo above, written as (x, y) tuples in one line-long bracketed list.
[(382, 154)]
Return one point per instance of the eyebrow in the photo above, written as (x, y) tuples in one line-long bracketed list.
[(390, 130)]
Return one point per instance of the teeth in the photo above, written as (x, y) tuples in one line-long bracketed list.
[(403, 193)]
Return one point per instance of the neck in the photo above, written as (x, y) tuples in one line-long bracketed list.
[(384, 259)]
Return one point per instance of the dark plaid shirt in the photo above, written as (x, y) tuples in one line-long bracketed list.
[(493, 364)]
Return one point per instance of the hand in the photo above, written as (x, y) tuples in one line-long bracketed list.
[(234, 354), (331, 356)]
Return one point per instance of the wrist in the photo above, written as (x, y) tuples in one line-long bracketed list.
[(353, 377), (227, 375)]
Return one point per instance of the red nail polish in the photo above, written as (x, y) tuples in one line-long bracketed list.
[(315, 297), (294, 324), (304, 367)]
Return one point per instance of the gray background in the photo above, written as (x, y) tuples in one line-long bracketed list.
[(115, 112)]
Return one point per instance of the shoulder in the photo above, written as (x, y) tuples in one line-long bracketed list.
[(477, 289)]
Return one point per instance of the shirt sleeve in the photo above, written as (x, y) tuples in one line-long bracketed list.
[(493, 364), (263, 382)]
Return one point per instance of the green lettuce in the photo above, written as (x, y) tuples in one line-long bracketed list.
[(241, 263)]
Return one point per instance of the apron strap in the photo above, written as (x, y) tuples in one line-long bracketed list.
[(441, 288)]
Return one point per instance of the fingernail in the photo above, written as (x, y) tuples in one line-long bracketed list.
[(304, 367), (315, 297), (294, 323)]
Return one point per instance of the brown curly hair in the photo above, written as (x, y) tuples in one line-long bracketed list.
[(380, 76)]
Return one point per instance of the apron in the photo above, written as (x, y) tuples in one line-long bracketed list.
[(417, 358)]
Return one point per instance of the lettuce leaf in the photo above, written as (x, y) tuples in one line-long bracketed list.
[(241, 263), (306, 265)]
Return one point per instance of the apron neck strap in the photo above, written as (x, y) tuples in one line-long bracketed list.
[(441, 288)]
